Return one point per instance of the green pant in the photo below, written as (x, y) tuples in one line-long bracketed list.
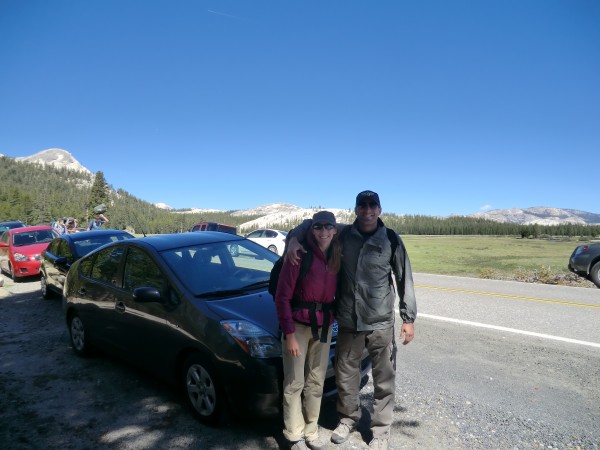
[(348, 351)]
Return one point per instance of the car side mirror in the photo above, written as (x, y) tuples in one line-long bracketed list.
[(147, 294), (3, 244)]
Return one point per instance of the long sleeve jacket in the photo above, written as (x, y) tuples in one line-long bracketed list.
[(317, 285), (366, 296)]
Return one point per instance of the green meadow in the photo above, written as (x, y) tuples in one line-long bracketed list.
[(514, 258)]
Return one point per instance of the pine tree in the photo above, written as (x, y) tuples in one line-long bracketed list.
[(99, 192)]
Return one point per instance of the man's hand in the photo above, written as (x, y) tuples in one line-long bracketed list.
[(293, 252), (407, 332)]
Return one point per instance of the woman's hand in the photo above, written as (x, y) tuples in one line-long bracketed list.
[(292, 346)]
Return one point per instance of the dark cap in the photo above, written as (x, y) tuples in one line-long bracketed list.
[(368, 196), (324, 217)]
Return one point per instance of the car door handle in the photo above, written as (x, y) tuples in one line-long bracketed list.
[(120, 307)]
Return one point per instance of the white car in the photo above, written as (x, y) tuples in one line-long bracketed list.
[(274, 240)]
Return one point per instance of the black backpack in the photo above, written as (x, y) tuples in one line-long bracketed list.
[(274, 278)]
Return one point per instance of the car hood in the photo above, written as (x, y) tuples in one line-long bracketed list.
[(33, 249), (258, 308)]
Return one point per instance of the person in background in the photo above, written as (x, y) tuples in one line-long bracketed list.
[(60, 226), (304, 309), (365, 313), (97, 222), (71, 225)]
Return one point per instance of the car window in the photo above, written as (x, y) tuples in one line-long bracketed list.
[(255, 234), (141, 270), (270, 234), (212, 267), (106, 264), (63, 250)]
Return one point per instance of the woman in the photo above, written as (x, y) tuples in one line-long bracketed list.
[(306, 331)]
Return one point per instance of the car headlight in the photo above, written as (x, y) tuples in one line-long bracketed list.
[(21, 257), (253, 340)]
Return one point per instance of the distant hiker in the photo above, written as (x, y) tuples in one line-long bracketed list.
[(97, 222), (71, 225)]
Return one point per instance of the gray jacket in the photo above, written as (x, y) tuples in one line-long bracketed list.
[(365, 295)]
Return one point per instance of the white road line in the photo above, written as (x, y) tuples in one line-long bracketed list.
[(510, 330)]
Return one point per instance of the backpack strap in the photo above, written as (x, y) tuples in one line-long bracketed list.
[(313, 307)]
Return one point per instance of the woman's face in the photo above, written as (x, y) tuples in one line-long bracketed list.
[(323, 233)]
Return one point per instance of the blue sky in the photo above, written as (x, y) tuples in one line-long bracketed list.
[(442, 107)]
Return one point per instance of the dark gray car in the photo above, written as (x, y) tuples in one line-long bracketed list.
[(184, 307), (585, 262)]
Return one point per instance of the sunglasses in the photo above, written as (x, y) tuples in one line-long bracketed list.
[(320, 226), (371, 205)]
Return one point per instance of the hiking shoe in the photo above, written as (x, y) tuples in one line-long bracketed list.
[(341, 433), (298, 445), (379, 444), (317, 444)]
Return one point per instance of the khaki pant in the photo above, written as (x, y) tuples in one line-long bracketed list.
[(348, 351), (303, 379)]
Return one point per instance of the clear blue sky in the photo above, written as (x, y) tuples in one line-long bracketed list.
[(443, 107)]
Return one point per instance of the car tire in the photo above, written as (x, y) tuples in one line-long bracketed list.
[(595, 274), (78, 335), (203, 391), (273, 249), (12, 274), (47, 293)]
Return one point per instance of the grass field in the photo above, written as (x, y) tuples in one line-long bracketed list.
[(535, 260)]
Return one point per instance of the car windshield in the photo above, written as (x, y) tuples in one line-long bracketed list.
[(32, 237), (85, 246), (221, 269)]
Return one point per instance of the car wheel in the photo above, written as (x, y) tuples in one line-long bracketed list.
[(234, 250), (46, 292), (595, 274), (273, 249), (13, 276), (78, 336), (203, 392)]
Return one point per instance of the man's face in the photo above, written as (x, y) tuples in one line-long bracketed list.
[(367, 213)]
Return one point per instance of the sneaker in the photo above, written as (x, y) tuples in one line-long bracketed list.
[(379, 444), (298, 445), (316, 444), (341, 433)]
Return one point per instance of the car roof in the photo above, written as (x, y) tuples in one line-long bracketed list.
[(93, 233), (162, 242), (11, 222)]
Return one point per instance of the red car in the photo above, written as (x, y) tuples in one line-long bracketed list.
[(20, 249)]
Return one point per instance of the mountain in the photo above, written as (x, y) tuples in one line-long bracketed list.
[(541, 215), (56, 157), (277, 213)]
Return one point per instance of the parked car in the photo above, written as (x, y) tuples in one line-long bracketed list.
[(214, 226), (181, 306), (585, 262), (20, 249), (10, 225), (274, 240), (64, 250)]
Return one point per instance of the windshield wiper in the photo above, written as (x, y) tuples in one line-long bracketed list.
[(222, 293), (257, 284)]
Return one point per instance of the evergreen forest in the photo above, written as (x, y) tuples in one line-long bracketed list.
[(37, 194)]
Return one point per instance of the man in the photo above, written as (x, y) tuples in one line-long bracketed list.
[(97, 222), (365, 314)]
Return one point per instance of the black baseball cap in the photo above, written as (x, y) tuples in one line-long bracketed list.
[(367, 196)]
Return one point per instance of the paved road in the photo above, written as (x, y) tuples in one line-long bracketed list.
[(493, 365)]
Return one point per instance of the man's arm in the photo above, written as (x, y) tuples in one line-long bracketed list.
[(293, 247), (406, 292)]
